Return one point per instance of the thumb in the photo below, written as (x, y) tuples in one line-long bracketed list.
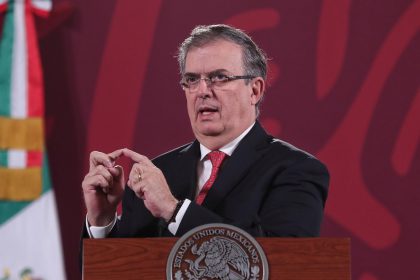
[(118, 173)]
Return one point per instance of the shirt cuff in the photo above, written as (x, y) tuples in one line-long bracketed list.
[(100, 232), (173, 227)]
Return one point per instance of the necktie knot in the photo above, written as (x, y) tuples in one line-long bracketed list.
[(216, 158)]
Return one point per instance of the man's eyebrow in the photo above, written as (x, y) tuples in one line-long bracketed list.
[(191, 74), (217, 71)]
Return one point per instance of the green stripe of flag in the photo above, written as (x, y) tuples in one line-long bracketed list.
[(3, 158), (6, 50)]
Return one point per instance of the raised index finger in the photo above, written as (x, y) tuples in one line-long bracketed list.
[(136, 156)]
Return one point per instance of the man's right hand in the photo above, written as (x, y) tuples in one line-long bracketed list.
[(103, 187)]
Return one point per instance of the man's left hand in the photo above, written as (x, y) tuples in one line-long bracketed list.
[(149, 184)]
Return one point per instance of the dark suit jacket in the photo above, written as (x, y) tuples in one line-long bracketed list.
[(267, 187)]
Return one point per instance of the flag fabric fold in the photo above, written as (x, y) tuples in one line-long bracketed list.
[(30, 245)]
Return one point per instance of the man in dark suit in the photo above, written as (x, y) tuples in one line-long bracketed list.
[(232, 173)]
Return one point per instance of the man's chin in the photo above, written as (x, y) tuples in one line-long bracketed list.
[(209, 130)]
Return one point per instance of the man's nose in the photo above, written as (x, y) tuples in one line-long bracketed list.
[(204, 87)]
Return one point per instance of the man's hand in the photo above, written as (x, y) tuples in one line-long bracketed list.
[(149, 184), (103, 187)]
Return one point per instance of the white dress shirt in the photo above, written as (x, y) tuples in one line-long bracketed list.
[(203, 174)]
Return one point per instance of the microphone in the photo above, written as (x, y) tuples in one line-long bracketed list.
[(162, 225), (257, 223)]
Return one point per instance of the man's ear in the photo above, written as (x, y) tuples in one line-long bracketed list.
[(258, 88)]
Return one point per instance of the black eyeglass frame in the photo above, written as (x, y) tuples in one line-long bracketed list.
[(210, 82)]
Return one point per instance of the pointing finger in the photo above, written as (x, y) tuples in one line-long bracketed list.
[(136, 156)]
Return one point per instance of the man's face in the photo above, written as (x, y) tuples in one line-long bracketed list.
[(220, 114)]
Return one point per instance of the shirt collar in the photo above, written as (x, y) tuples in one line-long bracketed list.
[(229, 147)]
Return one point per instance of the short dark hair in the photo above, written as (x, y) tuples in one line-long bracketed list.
[(254, 58)]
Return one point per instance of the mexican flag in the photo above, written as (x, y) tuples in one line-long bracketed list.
[(30, 245)]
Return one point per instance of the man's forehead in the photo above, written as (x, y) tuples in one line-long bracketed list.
[(225, 44), (219, 54)]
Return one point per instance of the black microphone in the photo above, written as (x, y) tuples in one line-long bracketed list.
[(162, 225), (257, 222)]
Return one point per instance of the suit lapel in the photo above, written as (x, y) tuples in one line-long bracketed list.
[(186, 178), (252, 147)]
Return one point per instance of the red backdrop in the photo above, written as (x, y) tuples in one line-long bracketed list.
[(343, 84)]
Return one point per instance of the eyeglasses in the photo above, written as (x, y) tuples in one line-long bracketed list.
[(191, 82)]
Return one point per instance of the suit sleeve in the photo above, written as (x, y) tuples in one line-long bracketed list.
[(295, 205)]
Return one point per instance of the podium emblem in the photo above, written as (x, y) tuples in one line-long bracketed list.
[(217, 251)]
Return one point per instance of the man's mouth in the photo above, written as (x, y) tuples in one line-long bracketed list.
[(207, 110)]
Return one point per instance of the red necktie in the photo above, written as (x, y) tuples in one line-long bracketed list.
[(216, 158)]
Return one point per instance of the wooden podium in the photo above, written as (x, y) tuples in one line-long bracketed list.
[(288, 258)]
